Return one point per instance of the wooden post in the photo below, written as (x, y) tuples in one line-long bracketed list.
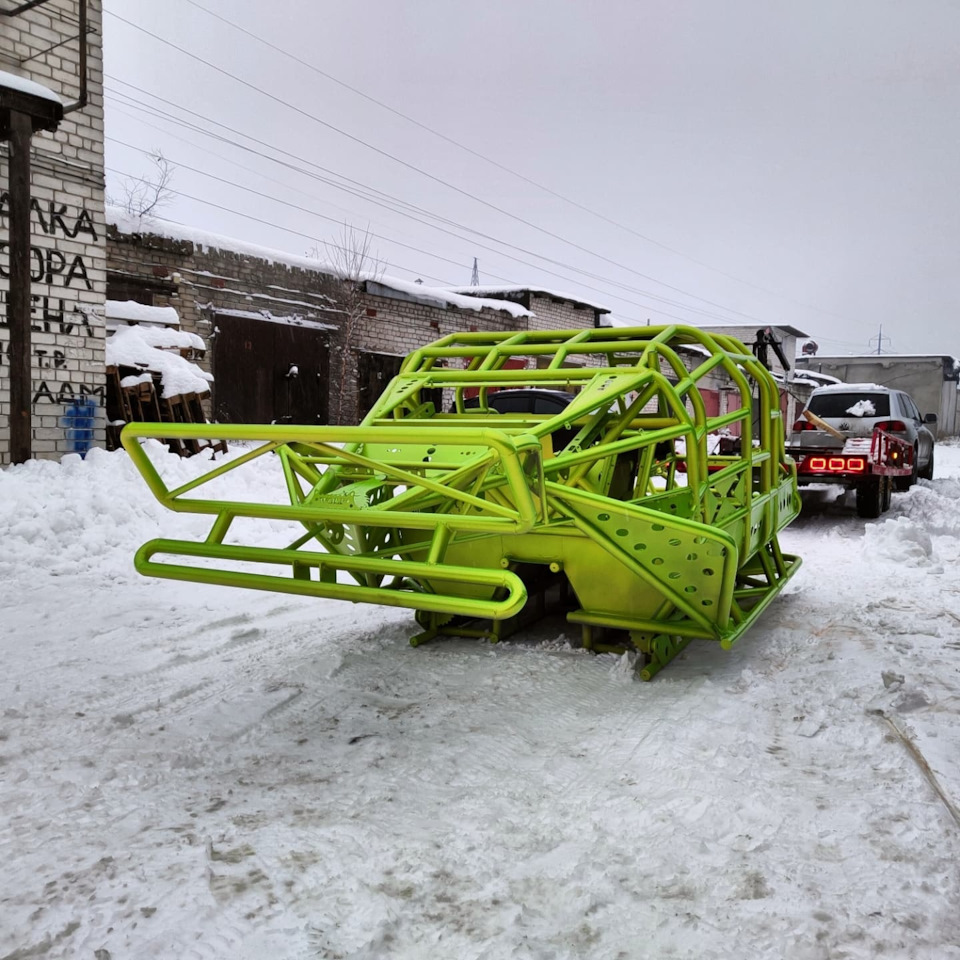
[(18, 301)]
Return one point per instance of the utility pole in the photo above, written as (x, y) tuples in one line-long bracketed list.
[(475, 276), (879, 338), (18, 303), (25, 108)]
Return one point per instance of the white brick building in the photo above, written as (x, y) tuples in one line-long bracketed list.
[(41, 42)]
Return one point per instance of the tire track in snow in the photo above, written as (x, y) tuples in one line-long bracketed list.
[(583, 730), (150, 689)]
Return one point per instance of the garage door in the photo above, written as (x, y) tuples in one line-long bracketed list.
[(269, 372)]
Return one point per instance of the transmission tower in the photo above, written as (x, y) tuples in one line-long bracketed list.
[(879, 338), (475, 275)]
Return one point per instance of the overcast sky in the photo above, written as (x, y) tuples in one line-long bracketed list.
[(783, 161)]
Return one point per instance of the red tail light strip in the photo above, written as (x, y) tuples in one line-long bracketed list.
[(834, 465)]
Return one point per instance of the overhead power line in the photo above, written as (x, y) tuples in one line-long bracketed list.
[(500, 166), (284, 203), (389, 202), (314, 213), (424, 173), (247, 216), (272, 198)]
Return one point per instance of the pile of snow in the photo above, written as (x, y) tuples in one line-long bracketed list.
[(901, 540), (134, 380), (163, 338), (862, 408), (75, 515), (87, 513), (130, 311), (154, 349), (816, 377), (935, 505)]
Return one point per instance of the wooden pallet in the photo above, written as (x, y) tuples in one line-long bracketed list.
[(144, 403)]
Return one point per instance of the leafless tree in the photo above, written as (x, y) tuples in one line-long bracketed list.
[(350, 255), (142, 196)]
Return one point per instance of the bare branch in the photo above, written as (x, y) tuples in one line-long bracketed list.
[(142, 196), (349, 253)]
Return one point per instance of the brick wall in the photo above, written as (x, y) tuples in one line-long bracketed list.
[(68, 231), (198, 281), (203, 281), (560, 314)]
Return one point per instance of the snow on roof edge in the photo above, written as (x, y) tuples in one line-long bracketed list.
[(442, 296), (881, 356), (27, 86), (718, 327), (490, 290), (126, 223), (270, 317), (856, 387)]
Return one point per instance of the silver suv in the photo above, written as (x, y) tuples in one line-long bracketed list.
[(855, 409)]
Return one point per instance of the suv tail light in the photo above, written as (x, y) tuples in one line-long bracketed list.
[(892, 426)]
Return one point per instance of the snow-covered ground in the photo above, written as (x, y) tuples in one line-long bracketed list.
[(191, 771)]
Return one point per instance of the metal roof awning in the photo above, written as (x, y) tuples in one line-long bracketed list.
[(19, 95)]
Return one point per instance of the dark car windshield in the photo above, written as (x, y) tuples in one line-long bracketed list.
[(523, 401), (839, 405)]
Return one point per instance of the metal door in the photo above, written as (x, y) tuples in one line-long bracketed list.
[(269, 372)]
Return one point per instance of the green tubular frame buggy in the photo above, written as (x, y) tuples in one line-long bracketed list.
[(611, 509)]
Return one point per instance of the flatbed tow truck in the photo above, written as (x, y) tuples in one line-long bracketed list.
[(867, 464)]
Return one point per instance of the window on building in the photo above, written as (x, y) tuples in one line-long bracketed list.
[(139, 289)]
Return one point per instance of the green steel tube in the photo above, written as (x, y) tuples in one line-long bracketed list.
[(440, 603)]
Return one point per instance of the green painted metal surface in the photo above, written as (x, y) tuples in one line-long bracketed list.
[(458, 512)]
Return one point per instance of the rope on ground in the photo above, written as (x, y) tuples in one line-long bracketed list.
[(924, 767)]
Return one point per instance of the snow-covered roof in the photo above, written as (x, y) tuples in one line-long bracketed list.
[(724, 328), (785, 327), (441, 296), (880, 357), (815, 376), (852, 388), (294, 321), (508, 289), (151, 348), (132, 312), (30, 87)]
